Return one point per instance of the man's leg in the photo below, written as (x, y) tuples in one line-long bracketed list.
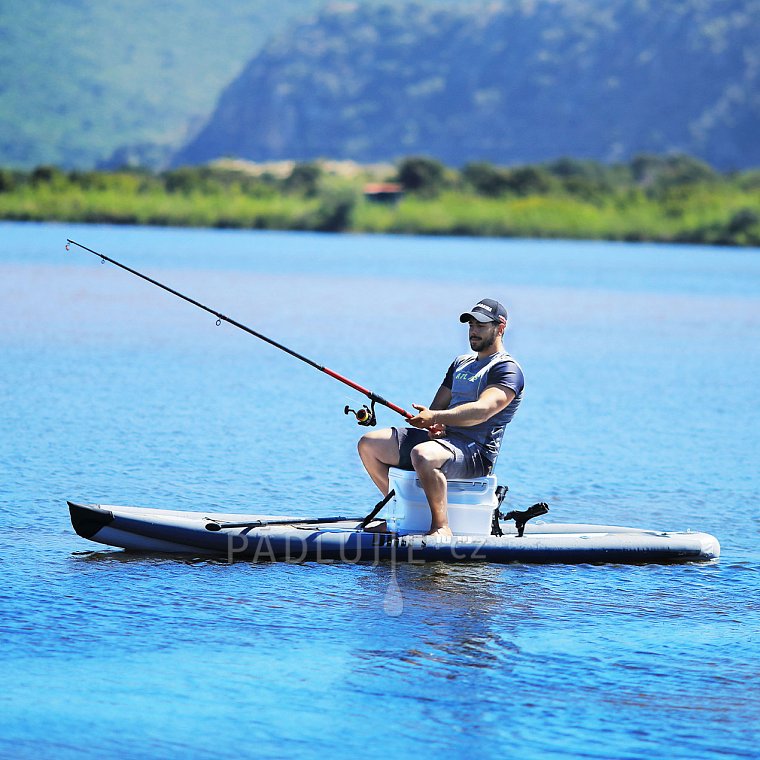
[(427, 459), (379, 452)]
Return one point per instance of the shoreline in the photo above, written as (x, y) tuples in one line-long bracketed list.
[(540, 202), (454, 231)]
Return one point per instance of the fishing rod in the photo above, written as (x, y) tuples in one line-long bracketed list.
[(364, 416)]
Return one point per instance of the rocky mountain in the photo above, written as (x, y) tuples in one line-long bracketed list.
[(510, 82)]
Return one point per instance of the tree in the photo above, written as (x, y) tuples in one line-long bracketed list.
[(663, 172), (530, 180), (585, 179), (422, 175), (304, 179), (48, 175), (486, 179), (7, 180), (336, 210)]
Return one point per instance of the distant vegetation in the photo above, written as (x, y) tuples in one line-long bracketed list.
[(669, 199), (510, 82)]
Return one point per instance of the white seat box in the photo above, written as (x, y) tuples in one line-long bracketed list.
[(471, 504)]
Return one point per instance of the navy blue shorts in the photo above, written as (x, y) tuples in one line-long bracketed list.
[(467, 460)]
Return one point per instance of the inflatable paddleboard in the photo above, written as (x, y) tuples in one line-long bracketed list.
[(273, 538)]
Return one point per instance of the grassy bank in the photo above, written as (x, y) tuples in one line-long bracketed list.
[(673, 199)]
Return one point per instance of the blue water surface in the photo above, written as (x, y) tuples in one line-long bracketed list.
[(642, 408)]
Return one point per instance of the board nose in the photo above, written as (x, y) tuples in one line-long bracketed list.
[(88, 519)]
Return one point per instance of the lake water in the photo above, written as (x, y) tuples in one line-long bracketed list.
[(642, 408)]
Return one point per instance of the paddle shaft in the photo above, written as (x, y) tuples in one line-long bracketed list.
[(212, 526), (222, 318)]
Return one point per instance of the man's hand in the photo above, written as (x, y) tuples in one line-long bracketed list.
[(437, 431), (491, 401), (424, 419)]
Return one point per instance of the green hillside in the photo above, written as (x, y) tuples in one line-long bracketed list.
[(80, 79), (517, 82)]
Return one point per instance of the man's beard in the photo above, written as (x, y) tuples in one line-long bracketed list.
[(478, 343)]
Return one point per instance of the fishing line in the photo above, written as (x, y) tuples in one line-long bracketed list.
[(364, 416)]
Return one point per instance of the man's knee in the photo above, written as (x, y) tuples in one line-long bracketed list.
[(370, 441), (379, 444), (429, 456)]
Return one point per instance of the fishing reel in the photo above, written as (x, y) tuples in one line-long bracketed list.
[(364, 416)]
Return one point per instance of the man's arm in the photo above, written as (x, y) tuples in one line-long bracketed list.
[(441, 401), (493, 399), (442, 398)]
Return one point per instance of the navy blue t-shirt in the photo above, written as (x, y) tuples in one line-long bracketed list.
[(467, 378)]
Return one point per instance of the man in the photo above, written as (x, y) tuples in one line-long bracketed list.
[(459, 435)]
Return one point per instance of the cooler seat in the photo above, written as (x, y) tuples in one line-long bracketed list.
[(471, 504)]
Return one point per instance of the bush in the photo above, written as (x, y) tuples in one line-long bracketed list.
[(486, 179), (660, 174), (530, 180), (48, 175), (304, 179), (422, 175), (186, 180), (588, 180), (335, 211), (8, 181)]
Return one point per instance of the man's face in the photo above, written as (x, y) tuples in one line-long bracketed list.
[(482, 334)]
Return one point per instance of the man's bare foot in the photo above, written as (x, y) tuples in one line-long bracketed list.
[(443, 531)]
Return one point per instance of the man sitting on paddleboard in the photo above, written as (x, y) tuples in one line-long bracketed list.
[(459, 435)]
